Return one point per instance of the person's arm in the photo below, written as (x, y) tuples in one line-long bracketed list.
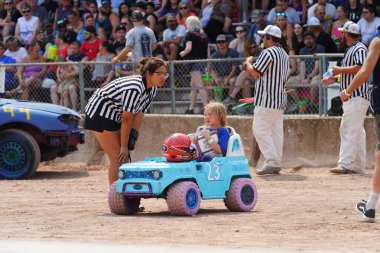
[(231, 74), (126, 125), (304, 11), (215, 146), (137, 120), (315, 70), (349, 70), (249, 67), (303, 77), (187, 50), (17, 33), (115, 21), (227, 24), (365, 72), (122, 56)]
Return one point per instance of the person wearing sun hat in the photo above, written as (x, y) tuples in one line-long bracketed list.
[(271, 70), (352, 155)]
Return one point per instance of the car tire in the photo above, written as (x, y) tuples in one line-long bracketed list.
[(242, 195), (183, 198), (120, 204), (20, 154)]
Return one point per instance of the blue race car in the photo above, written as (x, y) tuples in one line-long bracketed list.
[(31, 132), (185, 184)]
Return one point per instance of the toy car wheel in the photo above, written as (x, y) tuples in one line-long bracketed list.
[(242, 195), (120, 204), (19, 154), (183, 198)]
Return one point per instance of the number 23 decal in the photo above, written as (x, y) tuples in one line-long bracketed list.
[(213, 172)]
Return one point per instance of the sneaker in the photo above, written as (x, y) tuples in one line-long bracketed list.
[(189, 111), (367, 215), (229, 101), (341, 170), (268, 170)]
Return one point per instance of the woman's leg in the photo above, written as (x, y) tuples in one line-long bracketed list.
[(110, 142), (65, 97), (73, 96), (196, 77), (54, 94)]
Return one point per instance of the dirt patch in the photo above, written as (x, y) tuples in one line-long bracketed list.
[(301, 209)]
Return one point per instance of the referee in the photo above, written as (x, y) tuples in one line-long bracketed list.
[(271, 70), (115, 112), (352, 154)]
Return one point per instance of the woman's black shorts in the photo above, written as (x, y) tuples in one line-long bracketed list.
[(99, 124)]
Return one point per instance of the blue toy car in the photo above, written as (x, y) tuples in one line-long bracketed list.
[(31, 132), (184, 184)]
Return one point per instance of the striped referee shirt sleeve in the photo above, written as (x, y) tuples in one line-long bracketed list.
[(132, 100), (360, 56), (262, 62)]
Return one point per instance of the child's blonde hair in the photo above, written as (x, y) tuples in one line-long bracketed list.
[(60, 58), (219, 110)]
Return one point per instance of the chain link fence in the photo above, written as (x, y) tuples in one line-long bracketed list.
[(207, 77)]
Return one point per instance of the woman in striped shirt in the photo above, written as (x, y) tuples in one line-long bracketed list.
[(115, 112)]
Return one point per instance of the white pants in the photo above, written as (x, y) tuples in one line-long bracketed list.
[(268, 130), (352, 154)]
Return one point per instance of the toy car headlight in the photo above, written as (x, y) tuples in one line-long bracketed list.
[(121, 174), (149, 174), (157, 174)]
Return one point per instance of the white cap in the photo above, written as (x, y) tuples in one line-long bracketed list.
[(313, 21), (271, 30), (350, 27)]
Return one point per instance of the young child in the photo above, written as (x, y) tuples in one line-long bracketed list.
[(67, 76), (215, 120)]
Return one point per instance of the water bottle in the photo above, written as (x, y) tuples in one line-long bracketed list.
[(328, 74)]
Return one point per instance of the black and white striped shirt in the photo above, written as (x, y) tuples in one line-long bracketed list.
[(355, 55), (123, 94), (273, 63)]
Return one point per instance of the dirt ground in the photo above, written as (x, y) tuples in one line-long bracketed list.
[(305, 209)]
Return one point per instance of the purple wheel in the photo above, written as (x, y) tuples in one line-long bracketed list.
[(120, 204), (183, 198), (242, 195)]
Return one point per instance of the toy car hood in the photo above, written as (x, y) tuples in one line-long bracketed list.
[(39, 106)]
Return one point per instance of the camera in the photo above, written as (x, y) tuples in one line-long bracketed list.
[(133, 135)]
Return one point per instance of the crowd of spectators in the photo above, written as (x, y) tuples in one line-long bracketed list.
[(97, 30)]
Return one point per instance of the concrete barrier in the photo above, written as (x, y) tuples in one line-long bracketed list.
[(309, 140)]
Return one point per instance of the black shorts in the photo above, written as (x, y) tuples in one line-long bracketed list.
[(99, 124)]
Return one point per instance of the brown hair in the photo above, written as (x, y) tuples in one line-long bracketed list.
[(151, 64)]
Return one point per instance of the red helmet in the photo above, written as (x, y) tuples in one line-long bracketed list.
[(176, 148)]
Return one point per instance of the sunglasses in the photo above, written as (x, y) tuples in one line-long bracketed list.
[(28, 11), (365, 11), (239, 31), (183, 8), (280, 14), (221, 42), (124, 23), (8, 3)]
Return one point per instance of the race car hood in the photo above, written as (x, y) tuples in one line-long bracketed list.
[(38, 106)]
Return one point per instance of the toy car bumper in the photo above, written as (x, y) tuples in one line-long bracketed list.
[(137, 189)]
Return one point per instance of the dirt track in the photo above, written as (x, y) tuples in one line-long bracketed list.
[(308, 209)]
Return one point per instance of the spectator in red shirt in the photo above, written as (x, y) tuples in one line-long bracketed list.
[(91, 45)]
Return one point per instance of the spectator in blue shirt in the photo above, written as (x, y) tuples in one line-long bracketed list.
[(10, 81)]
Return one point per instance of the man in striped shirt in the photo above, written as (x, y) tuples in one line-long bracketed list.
[(271, 70), (352, 154)]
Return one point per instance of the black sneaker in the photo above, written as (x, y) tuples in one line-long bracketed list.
[(189, 111), (367, 215)]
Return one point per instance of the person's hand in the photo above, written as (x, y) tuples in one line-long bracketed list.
[(329, 80), (249, 60), (195, 139), (225, 83), (305, 81), (182, 54), (206, 134), (123, 155), (344, 96), (114, 60), (336, 70)]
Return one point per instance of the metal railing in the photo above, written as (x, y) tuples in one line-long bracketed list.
[(174, 96)]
